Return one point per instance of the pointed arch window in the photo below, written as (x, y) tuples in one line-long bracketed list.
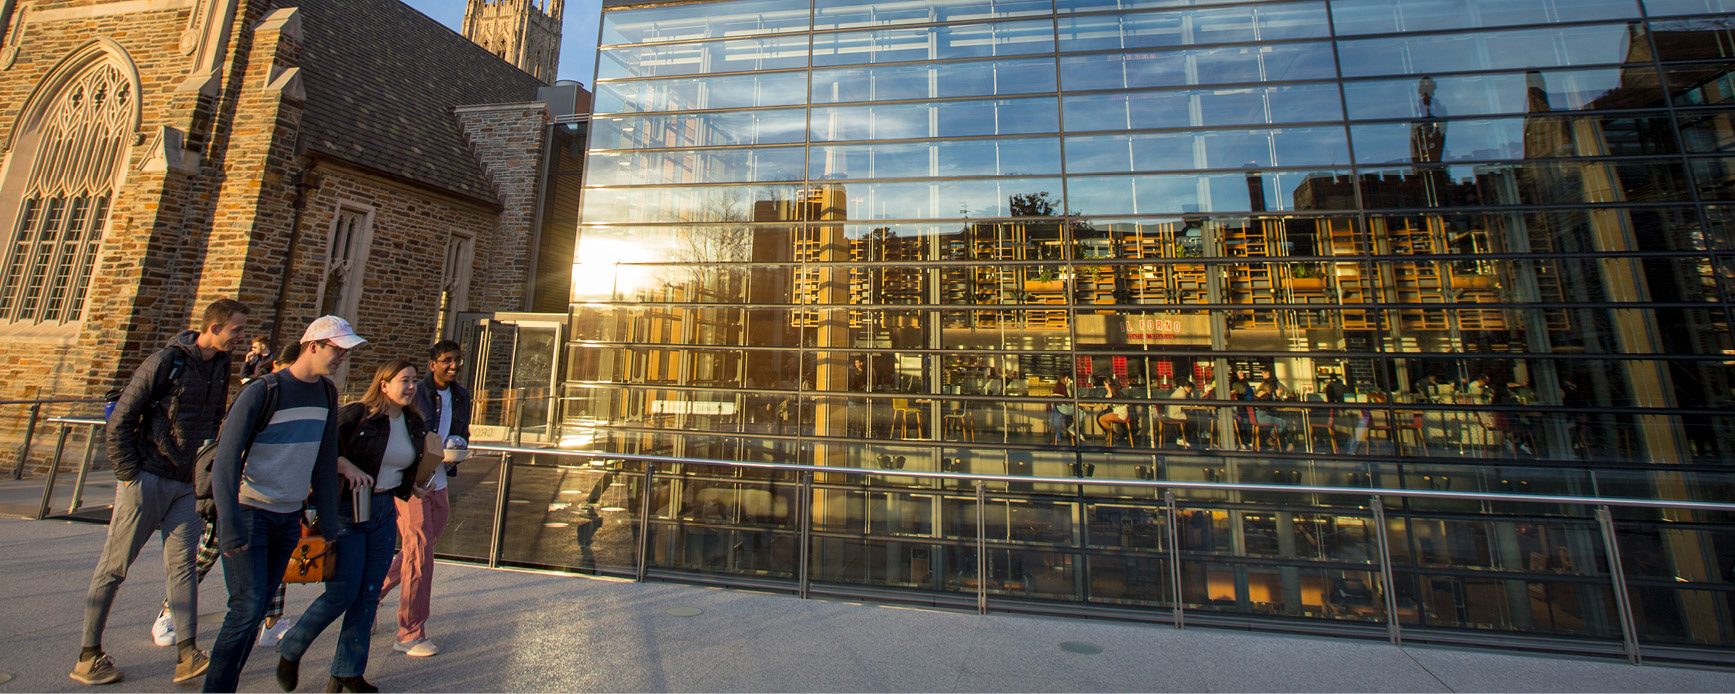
[(74, 151)]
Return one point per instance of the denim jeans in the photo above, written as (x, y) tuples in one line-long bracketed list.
[(253, 575), (364, 553)]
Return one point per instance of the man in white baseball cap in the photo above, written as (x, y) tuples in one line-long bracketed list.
[(261, 477)]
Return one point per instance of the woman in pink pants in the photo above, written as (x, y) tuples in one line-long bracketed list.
[(446, 406)]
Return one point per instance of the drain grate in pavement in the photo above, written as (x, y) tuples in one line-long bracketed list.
[(1080, 647), (684, 612)]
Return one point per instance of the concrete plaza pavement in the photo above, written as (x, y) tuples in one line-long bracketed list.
[(505, 631)]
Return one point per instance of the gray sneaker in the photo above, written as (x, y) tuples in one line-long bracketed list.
[(193, 666), (98, 670)]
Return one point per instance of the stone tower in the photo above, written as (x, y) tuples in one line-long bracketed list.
[(519, 31)]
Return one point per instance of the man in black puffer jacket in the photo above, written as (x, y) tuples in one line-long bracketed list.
[(173, 403)]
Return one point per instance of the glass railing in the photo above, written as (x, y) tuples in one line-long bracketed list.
[(1612, 576), (1632, 577)]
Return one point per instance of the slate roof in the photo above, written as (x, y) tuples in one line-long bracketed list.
[(381, 80)]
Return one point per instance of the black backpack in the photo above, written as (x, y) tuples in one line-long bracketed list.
[(208, 452)]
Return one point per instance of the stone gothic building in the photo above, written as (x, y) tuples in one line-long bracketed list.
[(519, 31), (160, 154)]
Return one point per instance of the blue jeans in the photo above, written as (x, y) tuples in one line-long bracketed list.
[(364, 554), (253, 575)]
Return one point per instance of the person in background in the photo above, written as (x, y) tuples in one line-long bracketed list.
[(1060, 414), (258, 361), (1178, 414), (445, 408), (170, 407)]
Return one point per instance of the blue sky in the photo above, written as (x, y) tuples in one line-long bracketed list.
[(577, 37)]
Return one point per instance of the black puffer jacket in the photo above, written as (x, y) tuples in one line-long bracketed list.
[(159, 422)]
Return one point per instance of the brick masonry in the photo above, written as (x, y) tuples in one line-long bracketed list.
[(180, 239)]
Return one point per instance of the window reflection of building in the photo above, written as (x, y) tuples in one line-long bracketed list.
[(1482, 244)]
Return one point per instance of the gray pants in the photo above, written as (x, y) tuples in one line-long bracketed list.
[(144, 505)]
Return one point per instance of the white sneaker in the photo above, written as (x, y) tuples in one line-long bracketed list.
[(418, 649), (163, 631), (269, 636)]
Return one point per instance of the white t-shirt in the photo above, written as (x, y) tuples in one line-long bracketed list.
[(439, 479), (400, 454)]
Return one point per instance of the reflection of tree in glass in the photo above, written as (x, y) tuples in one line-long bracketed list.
[(697, 249)]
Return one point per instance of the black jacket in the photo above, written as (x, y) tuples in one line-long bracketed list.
[(162, 417), (362, 439), (428, 401)]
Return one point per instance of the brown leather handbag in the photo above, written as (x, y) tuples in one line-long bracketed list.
[(313, 560)]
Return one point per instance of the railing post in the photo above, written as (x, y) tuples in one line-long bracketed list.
[(1618, 574), (1389, 581), (645, 519), (1175, 560), (517, 416), (29, 433), (981, 548), (500, 509), (53, 471), (806, 516), (84, 469)]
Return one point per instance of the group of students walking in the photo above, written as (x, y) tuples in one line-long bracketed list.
[(283, 448)]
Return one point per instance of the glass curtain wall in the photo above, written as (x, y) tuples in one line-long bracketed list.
[(1449, 244)]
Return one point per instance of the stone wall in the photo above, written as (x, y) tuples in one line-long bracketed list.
[(507, 140)]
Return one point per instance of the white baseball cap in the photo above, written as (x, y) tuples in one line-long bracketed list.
[(332, 328)]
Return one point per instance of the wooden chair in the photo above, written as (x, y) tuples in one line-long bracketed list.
[(961, 422), (1257, 429), (1163, 426), (903, 410)]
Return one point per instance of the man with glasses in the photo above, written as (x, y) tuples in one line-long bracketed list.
[(446, 407), (261, 478)]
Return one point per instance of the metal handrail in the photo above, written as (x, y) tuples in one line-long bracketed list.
[(1601, 505), (30, 428), (1149, 484), (54, 401)]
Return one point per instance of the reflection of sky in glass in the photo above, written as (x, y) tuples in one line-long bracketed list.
[(740, 55), (1470, 95), (1197, 66), (1485, 50), (1391, 16), (900, 82), (1182, 193), (847, 14), (923, 159), (688, 94), (934, 43), (936, 119), (1190, 27), (1203, 107), (711, 20)]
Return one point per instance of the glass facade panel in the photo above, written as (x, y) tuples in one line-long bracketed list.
[(732, 91), (1193, 27), (910, 82), (687, 22), (1457, 246), (935, 119), (1282, 62), (1298, 103), (854, 14), (934, 43), (669, 60), (1490, 50), (1392, 16)]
